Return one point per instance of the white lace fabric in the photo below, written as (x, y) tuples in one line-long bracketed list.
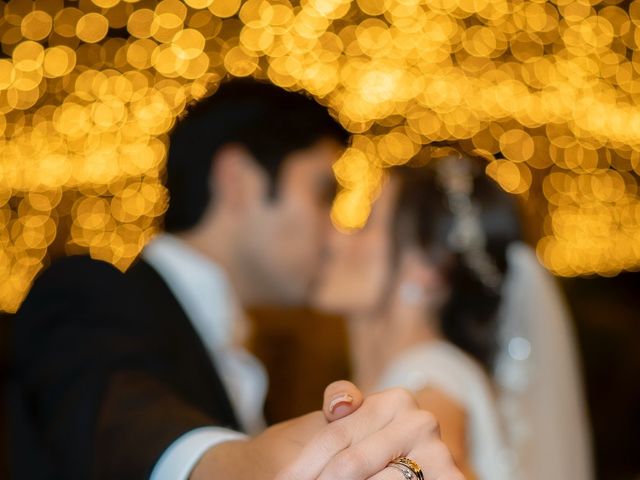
[(529, 422), (538, 376)]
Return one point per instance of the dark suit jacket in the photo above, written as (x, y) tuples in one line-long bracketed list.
[(106, 372)]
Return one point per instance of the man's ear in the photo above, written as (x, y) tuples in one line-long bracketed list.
[(236, 179)]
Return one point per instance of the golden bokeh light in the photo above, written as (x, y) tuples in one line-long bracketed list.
[(547, 91), (92, 27)]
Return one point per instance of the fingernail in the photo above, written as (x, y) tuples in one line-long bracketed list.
[(340, 399)]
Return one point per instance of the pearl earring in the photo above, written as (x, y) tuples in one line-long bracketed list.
[(412, 293)]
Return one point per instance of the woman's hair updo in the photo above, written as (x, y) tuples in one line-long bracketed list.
[(464, 222)]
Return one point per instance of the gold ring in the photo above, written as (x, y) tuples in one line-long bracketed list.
[(408, 467)]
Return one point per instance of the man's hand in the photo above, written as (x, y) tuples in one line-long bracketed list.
[(261, 457), (362, 439)]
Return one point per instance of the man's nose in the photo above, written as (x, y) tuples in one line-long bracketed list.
[(335, 238), (328, 236)]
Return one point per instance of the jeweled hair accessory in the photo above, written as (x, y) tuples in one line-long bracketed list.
[(455, 174)]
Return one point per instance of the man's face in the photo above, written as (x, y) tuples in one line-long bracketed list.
[(285, 238)]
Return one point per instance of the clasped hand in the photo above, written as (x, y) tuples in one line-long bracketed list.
[(349, 440)]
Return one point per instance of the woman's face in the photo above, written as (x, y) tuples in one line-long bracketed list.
[(356, 273)]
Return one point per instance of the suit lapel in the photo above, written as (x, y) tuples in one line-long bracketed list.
[(194, 373)]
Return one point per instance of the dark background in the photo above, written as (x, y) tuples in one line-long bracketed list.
[(607, 314), (304, 351), (4, 346)]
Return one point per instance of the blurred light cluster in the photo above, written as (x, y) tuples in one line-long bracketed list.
[(547, 91)]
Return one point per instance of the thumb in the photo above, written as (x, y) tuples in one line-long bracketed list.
[(341, 398)]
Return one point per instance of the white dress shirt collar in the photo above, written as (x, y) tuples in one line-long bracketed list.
[(202, 289)]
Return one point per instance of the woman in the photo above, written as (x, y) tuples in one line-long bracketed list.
[(421, 287)]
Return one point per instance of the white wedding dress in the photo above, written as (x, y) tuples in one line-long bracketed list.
[(529, 422), (442, 366)]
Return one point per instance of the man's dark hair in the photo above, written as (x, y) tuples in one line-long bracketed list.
[(268, 121)]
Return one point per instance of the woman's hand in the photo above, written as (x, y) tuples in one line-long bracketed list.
[(360, 444)]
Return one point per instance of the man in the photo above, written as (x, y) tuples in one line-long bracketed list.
[(143, 374)]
